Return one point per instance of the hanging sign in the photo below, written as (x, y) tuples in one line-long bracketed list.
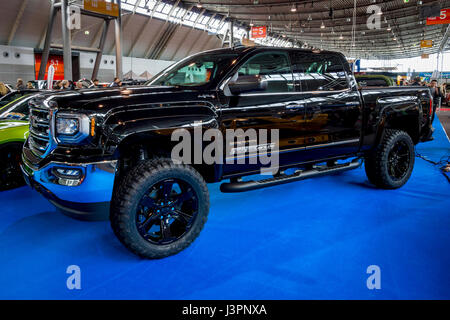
[(102, 7), (425, 56), (444, 18), (259, 32), (426, 43)]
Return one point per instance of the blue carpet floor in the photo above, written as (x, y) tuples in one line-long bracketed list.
[(307, 240)]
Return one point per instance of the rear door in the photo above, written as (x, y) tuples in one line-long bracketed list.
[(332, 125)]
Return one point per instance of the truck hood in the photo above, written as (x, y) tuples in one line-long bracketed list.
[(104, 99)]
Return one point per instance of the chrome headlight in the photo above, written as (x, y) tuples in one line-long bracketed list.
[(67, 126), (72, 128)]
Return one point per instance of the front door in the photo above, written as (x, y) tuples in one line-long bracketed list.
[(274, 107)]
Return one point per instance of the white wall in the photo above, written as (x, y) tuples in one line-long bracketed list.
[(108, 66), (16, 62), (418, 64)]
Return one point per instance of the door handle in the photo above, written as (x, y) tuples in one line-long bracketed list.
[(295, 106)]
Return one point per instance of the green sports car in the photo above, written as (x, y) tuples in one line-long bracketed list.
[(13, 133)]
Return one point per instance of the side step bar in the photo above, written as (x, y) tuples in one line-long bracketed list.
[(241, 186)]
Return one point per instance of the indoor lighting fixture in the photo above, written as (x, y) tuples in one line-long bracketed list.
[(309, 17), (294, 8), (395, 39), (380, 13), (389, 28), (199, 4), (86, 32), (251, 23), (322, 26), (341, 37)]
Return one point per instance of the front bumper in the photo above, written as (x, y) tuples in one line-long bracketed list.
[(87, 197)]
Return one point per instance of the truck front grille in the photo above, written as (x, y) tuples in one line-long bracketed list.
[(39, 129)]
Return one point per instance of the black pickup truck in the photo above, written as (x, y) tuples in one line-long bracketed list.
[(111, 151)]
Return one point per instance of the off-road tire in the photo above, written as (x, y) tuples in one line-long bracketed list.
[(10, 172), (132, 188), (377, 161)]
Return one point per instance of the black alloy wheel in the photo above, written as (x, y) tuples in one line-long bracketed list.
[(390, 164), (167, 211), (399, 160), (159, 208)]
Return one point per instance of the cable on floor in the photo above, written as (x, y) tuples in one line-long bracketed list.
[(443, 164)]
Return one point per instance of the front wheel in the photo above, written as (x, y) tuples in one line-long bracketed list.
[(390, 165), (159, 208)]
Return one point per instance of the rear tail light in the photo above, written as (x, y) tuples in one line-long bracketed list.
[(431, 108)]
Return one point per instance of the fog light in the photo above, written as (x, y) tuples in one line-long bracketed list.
[(67, 173), (67, 176)]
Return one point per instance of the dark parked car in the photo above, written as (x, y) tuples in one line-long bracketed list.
[(14, 95), (374, 81), (109, 150)]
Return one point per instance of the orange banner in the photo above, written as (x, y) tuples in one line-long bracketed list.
[(426, 43), (56, 60), (444, 18), (259, 32), (102, 7)]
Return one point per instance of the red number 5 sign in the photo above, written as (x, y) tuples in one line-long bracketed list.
[(444, 18), (259, 32)]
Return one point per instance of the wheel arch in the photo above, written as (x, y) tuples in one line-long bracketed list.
[(141, 146), (401, 115)]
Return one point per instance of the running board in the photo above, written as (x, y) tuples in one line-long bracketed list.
[(241, 186)]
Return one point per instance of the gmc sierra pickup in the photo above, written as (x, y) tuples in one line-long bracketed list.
[(98, 151)]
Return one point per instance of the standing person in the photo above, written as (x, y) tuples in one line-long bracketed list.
[(20, 85), (57, 85), (436, 93), (79, 85), (96, 83), (3, 89), (65, 85), (115, 83), (416, 82)]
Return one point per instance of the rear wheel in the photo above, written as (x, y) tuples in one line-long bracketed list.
[(159, 208), (390, 165), (10, 172)]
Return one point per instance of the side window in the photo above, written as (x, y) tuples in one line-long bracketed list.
[(318, 72), (273, 68)]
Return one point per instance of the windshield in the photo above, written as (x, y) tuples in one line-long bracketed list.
[(17, 110), (194, 71)]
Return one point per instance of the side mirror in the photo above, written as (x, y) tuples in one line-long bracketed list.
[(246, 84)]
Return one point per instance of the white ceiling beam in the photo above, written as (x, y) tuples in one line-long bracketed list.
[(19, 15)]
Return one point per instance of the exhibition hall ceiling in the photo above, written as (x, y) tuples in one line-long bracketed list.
[(170, 30)]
